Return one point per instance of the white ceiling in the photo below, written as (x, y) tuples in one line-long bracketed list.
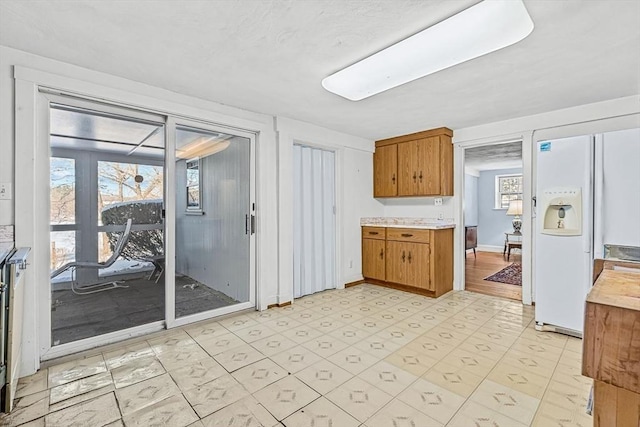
[(492, 157), (269, 56)]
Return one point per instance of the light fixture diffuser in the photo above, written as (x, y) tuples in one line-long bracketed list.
[(483, 28)]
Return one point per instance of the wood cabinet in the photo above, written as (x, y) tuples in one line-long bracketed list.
[(408, 264), (419, 164), (417, 260), (611, 348), (385, 171), (373, 252)]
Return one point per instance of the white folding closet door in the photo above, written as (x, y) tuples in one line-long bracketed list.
[(314, 221)]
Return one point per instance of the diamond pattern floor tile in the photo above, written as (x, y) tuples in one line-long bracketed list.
[(365, 356)]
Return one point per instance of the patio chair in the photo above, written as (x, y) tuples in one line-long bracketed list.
[(97, 287)]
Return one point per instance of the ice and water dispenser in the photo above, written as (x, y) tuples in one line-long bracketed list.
[(562, 211)]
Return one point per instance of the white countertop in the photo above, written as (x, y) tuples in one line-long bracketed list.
[(394, 222)]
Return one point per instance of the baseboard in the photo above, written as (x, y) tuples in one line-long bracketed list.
[(282, 304), (405, 288), (490, 248), (357, 282)]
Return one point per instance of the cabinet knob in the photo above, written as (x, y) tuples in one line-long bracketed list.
[(409, 258), (403, 256), (373, 232), (406, 235), (381, 253), (420, 176), (415, 176), (393, 178)]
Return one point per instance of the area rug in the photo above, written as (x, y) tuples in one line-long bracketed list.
[(511, 274)]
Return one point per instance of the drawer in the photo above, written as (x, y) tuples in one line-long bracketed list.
[(373, 233), (408, 235)]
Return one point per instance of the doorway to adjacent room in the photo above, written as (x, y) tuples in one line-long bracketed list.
[(493, 188)]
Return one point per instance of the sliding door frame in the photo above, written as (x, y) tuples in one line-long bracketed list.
[(44, 99), (170, 265), (31, 164)]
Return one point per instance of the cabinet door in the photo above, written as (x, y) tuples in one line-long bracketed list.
[(428, 166), (373, 255), (396, 262), (385, 171), (408, 168), (418, 268)]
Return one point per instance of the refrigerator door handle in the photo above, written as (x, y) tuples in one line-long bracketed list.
[(587, 202), (598, 197)]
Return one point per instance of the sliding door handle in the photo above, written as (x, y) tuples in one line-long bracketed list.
[(253, 224)]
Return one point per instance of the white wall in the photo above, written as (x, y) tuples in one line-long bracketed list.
[(423, 207), (615, 114), (470, 200), (619, 210), (354, 196), (492, 222)]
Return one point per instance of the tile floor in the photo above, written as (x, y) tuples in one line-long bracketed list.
[(365, 356)]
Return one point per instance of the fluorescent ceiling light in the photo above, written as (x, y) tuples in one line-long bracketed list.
[(476, 31), (202, 147)]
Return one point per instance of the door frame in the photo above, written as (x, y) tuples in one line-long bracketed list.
[(30, 161), (459, 235)]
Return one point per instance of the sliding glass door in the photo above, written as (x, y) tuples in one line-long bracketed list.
[(151, 223), (214, 220), (106, 200)]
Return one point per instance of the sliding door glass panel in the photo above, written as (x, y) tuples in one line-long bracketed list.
[(213, 220), (106, 172)]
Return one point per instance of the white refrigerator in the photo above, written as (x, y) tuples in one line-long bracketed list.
[(587, 196)]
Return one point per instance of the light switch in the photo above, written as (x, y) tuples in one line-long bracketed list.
[(5, 191), (438, 201)]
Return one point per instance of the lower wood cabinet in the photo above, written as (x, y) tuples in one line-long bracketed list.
[(416, 260), (373, 263), (408, 264)]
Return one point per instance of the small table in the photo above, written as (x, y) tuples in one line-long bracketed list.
[(512, 240)]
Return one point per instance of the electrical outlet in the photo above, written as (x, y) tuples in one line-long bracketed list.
[(5, 191), (440, 215), (438, 201)]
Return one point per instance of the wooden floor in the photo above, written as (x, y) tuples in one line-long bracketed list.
[(485, 264)]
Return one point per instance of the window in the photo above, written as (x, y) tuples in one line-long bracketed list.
[(508, 187), (194, 202)]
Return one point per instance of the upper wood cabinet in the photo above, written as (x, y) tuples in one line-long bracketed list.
[(419, 164), (385, 171)]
